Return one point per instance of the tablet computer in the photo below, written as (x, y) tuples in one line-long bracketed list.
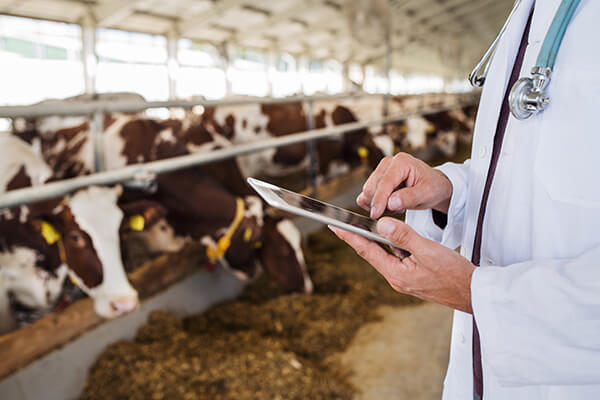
[(329, 214)]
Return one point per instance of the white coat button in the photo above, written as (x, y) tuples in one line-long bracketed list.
[(463, 339), (482, 151)]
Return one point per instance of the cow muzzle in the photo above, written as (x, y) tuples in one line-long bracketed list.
[(122, 305)]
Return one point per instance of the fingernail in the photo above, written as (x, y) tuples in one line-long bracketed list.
[(385, 227), (395, 203), (374, 211)]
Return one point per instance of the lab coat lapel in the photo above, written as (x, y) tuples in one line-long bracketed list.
[(499, 73)]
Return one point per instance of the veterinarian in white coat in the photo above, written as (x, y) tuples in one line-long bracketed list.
[(536, 295)]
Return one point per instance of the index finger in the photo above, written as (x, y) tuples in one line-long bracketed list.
[(387, 185), (368, 189)]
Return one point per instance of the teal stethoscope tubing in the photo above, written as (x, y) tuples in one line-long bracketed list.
[(554, 36)]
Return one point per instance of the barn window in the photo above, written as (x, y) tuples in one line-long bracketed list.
[(375, 80), (248, 73), (40, 60), (132, 62), (286, 78), (200, 70)]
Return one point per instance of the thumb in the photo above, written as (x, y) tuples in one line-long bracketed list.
[(407, 198), (399, 233)]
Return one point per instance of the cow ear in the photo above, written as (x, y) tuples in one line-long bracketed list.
[(118, 190), (141, 215), (46, 209)]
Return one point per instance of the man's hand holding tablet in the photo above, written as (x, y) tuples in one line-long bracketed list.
[(432, 272)]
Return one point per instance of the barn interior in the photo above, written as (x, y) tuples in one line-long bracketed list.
[(309, 95)]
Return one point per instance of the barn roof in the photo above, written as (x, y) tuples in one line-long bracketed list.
[(435, 36)]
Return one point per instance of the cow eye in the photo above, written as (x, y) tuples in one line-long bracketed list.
[(77, 239)]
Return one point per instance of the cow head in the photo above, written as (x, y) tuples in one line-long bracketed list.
[(146, 220), (282, 257), (445, 142), (84, 230), (412, 133)]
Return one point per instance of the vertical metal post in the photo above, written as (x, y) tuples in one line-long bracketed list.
[(303, 72), (363, 69), (347, 83), (172, 63), (311, 146), (271, 69), (88, 54), (388, 74), (227, 55), (97, 131)]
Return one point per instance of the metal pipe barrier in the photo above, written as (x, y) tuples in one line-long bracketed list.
[(81, 107), (141, 171)]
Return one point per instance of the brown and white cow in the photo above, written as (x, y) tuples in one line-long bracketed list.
[(42, 243), (208, 203), (246, 123)]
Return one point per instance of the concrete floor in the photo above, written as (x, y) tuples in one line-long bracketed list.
[(403, 356)]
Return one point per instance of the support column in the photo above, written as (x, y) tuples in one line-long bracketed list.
[(347, 83), (226, 52), (388, 71), (303, 72), (271, 70), (363, 70), (172, 63), (89, 58)]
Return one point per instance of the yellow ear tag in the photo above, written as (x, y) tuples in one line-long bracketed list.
[(49, 233), (247, 235), (404, 129), (258, 245), (430, 129), (136, 223), (363, 152)]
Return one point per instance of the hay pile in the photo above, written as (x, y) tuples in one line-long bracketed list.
[(263, 345)]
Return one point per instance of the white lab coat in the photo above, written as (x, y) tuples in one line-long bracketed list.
[(536, 297)]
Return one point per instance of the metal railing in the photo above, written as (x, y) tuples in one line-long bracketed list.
[(141, 172)]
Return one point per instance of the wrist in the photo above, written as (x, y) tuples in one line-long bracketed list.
[(445, 192)]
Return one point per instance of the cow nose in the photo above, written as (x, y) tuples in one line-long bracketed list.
[(123, 305)]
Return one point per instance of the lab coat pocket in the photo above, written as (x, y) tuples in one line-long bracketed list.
[(567, 153)]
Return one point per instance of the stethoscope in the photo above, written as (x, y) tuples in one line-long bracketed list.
[(527, 96)]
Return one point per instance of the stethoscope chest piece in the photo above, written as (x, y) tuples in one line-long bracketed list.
[(527, 96)]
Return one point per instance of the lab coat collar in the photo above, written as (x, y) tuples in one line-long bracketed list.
[(501, 65)]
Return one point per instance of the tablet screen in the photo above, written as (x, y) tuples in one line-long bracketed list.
[(328, 210), (311, 205)]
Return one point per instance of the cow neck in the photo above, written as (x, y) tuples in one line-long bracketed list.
[(498, 138)]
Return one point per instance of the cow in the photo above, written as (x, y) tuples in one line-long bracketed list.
[(43, 243), (246, 123), (210, 203)]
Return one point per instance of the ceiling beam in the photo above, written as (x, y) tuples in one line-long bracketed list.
[(114, 11), (191, 22), (290, 13)]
